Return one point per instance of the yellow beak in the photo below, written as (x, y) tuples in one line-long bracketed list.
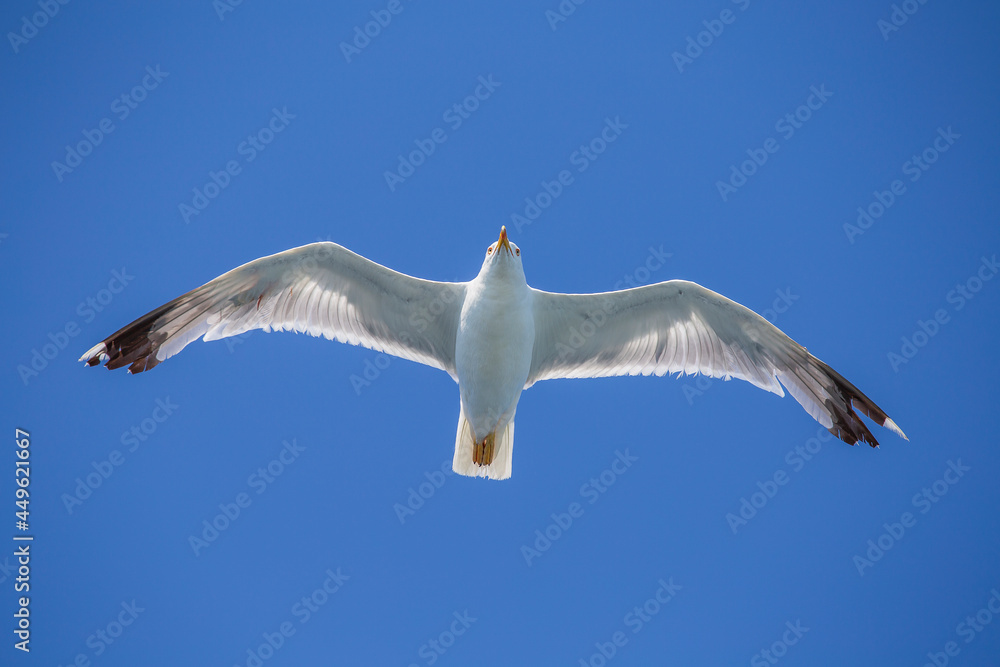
[(503, 242)]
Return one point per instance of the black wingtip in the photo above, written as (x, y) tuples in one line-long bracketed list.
[(847, 425), (134, 345)]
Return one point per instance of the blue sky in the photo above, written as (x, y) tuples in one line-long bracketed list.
[(149, 149)]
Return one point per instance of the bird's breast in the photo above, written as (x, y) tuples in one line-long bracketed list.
[(493, 352)]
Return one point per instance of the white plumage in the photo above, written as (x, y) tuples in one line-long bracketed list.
[(495, 336)]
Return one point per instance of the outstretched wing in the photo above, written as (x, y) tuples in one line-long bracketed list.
[(322, 289), (679, 326)]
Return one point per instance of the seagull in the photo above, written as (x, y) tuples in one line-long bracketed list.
[(496, 336)]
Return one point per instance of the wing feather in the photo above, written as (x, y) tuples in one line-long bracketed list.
[(681, 327), (321, 289)]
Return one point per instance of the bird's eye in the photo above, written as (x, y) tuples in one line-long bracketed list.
[(518, 251), (489, 251)]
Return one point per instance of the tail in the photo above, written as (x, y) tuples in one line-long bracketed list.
[(489, 457)]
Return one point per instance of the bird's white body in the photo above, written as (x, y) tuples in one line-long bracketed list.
[(496, 336)]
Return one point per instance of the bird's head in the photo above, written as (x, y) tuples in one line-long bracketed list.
[(503, 257)]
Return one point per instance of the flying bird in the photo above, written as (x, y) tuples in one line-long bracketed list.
[(496, 336)]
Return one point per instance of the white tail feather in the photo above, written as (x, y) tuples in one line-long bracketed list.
[(465, 440)]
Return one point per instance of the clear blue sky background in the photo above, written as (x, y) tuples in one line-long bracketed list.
[(853, 298)]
